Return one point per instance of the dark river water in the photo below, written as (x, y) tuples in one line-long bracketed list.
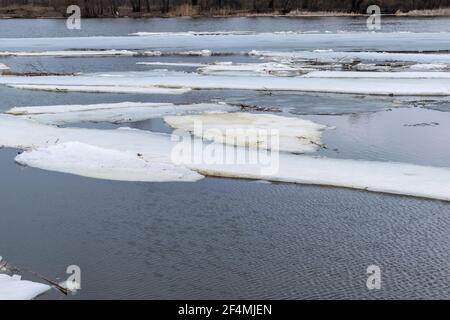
[(225, 238)]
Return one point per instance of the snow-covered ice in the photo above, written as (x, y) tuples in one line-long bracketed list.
[(69, 53), (100, 163), (238, 43), (385, 177), (243, 69), (388, 177), (101, 89), (13, 288), (120, 154), (265, 131), (377, 75), (15, 133), (430, 67), (365, 83), (191, 33), (172, 64), (113, 112), (331, 56)]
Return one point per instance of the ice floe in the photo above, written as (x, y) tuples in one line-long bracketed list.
[(377, 75), (232, 69), (385, 177), (429, 67), (237, 43), (332, 56), (113, 112), (192, 33), (69, 53), (95, 162), (242, 69), (120, 154), (253, 130), (365, 83), (172, 64), (3, 68), (101, 89), (158, 149), (14, 288), (371, 67), (203, 53)]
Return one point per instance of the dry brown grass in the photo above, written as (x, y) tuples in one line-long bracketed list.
[(28, 11), (300, 13), (419, 13), (183, 11)]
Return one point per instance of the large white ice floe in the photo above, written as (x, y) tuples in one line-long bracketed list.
[(14, 288), (235, 69), (395, 178), (377, 75), (243, 69), (95, 162), (386, 177), (178, 82), (69, 53), (121, 154), (238, 43), (101, 89), (172, 64), (339, 56), (113, 112), (192, 33), (265, 131), (430, 67)]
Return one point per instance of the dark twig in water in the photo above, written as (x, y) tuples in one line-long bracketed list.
[(247, 107), (423, 124), (10, 269), (36, 74)]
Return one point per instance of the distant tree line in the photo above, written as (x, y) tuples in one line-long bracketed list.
[(94, 8)]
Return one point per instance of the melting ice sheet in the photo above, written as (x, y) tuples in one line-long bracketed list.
[(13, 288), (70, 53), (95, 162), (172, 64), (242, 69), (177, 82), (101, 89), (46, 152), (377, 75), (238, 42), (333, 56), (253, 130), (386, 177), (112, 112)]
